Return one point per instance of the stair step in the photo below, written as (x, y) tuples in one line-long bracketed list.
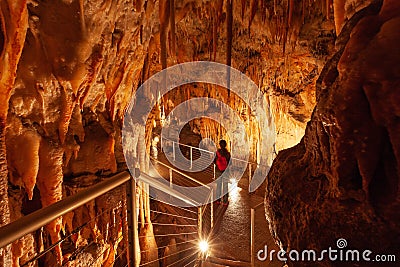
[(210, 264), (224, 262)]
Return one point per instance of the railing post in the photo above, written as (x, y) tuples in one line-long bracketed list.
[(252, 237), (170, 178), (200, 222), (214, 172), (212, 208), (173, 150), (132, 220), (191, 157), (249, 173)]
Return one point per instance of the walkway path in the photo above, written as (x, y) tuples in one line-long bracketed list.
[(231, 239)]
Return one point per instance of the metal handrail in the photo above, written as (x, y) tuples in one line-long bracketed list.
[(35, 220), (31, 222), (246, 161), (161, 186), (198, 148), (179, 172)]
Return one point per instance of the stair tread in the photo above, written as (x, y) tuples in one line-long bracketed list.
[(225, 262)]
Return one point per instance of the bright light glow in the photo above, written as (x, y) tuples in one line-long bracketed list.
[(203, 245), (156, 139), (234, 191)]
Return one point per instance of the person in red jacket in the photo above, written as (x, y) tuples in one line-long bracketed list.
[(222, 161)]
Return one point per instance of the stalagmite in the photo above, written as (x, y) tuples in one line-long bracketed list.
[(171, 253), (141, 205), (148, 246), (138, 256)]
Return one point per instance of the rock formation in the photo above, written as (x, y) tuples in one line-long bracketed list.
[(342, 179)]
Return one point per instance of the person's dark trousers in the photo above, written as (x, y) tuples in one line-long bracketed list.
[(222, 187)]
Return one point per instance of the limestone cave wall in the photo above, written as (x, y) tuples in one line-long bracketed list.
[(342, 179)]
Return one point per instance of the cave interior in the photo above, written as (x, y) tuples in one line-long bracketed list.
[(327, 75)]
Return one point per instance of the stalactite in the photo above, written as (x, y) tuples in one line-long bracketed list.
[(217, 7), (263, 6), (94, 70), (286, 30), (146, 68), (23, 165), (138, 6), (215, 36), (220, 6), (327, 9), (67, 107), (164, 13), (114, 80), (229, 22), (49, 182), (253, 11), (290, 17), (339, 14), (14, 24), (278, 28), (172, 27), (243, 2), (82, 14)]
